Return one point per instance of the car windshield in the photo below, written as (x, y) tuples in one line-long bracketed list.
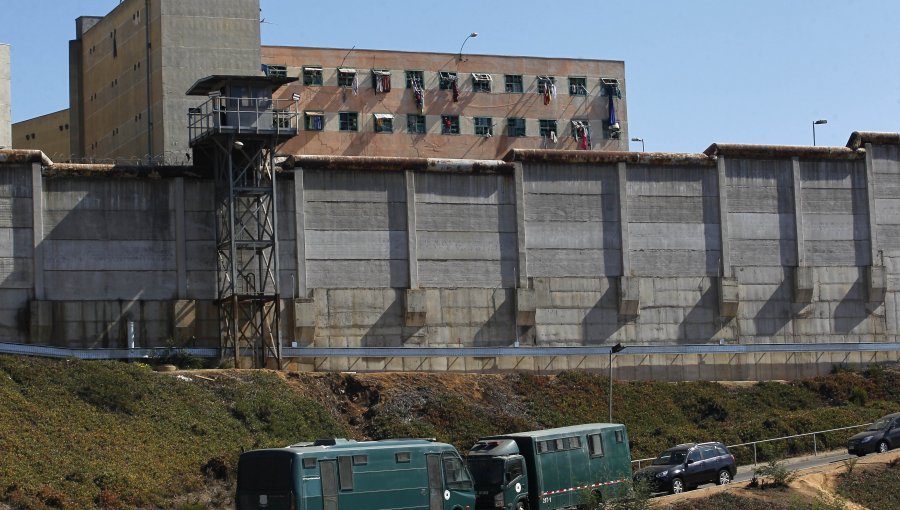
[(670, 457), (486, 472), (880, 424)]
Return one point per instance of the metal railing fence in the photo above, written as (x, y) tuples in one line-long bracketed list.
[(450, 351), (246, 115)]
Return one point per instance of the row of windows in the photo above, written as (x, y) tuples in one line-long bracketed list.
[(455, 475), (415, 124), (595, 444), (448, 80)]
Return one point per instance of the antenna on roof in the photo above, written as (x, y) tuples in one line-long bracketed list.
[(347, 55)]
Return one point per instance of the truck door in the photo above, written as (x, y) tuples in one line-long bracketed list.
[(435, 485), (329, 484), (458, 488)]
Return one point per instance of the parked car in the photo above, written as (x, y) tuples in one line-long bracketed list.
[(879, 437), (686, 466)]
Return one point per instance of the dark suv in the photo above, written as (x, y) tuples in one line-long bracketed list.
[(879, 437), (686, 466)]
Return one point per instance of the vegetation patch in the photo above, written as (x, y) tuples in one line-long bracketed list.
[(78, 434), (732, 501), (874, 486)]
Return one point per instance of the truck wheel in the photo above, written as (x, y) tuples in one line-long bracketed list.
[(677, 486), (521, 505)]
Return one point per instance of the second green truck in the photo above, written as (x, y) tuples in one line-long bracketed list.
[(551, 469)]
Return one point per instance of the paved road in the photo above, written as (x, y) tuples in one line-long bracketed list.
[(745, 473)]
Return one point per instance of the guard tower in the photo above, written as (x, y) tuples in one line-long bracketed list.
[(236, 133)]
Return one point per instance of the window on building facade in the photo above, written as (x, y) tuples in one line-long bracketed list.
[(515, 127), (577, 86), (415, 124), (543, 82), (314, 121), (348, 121), (381, 80), (415, 77), (548, 128), (384, 123), (346, 76), (445, 82), (450, 124), (610, 86), (484, 126), (581, 132), (481, 82), (579, 126), (312, 76), (514, 83)]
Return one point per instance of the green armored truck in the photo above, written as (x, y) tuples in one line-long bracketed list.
[(341, 474), (551, 469)]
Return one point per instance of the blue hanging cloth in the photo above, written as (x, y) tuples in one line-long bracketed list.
[(613, 121)]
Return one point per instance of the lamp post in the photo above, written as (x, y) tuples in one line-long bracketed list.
[(612, 350), (816, 123), (473, 34), (639, 140)]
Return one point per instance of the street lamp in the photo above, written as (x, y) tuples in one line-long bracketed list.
[(612, 350), (639, 140), (473, 34), (820, 121)]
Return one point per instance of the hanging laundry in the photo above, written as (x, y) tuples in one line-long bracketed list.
[(552, 91), (553, 137), (455, 87), (355, 84), (583, 137), (381, 81), (546, 95), (419, 93), (317, 122), (447, 125), (611, 91)]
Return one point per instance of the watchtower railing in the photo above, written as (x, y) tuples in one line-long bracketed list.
[(244, 115)]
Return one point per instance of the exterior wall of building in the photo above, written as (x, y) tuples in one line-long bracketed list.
[(16, 249), (114, 73), (393, 256), (198, 39), (497, 105), (5, 98), (113, 66), (48, 133)]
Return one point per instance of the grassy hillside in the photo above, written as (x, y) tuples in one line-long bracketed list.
[(114, 435)]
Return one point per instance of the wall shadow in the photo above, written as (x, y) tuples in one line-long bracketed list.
[(701, 322), (602, 320), (776, 312), (851, 311)]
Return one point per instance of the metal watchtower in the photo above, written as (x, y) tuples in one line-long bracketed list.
[(236, 132)]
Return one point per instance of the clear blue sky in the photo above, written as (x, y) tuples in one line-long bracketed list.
[(697, 72)]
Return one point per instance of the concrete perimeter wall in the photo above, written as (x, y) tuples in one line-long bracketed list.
[(765, 245)]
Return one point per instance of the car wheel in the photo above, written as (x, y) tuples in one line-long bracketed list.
[(677, 486), (883, 447), (520, 505), (724, 477)]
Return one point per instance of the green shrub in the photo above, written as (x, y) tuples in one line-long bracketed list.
[(774, 474)]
